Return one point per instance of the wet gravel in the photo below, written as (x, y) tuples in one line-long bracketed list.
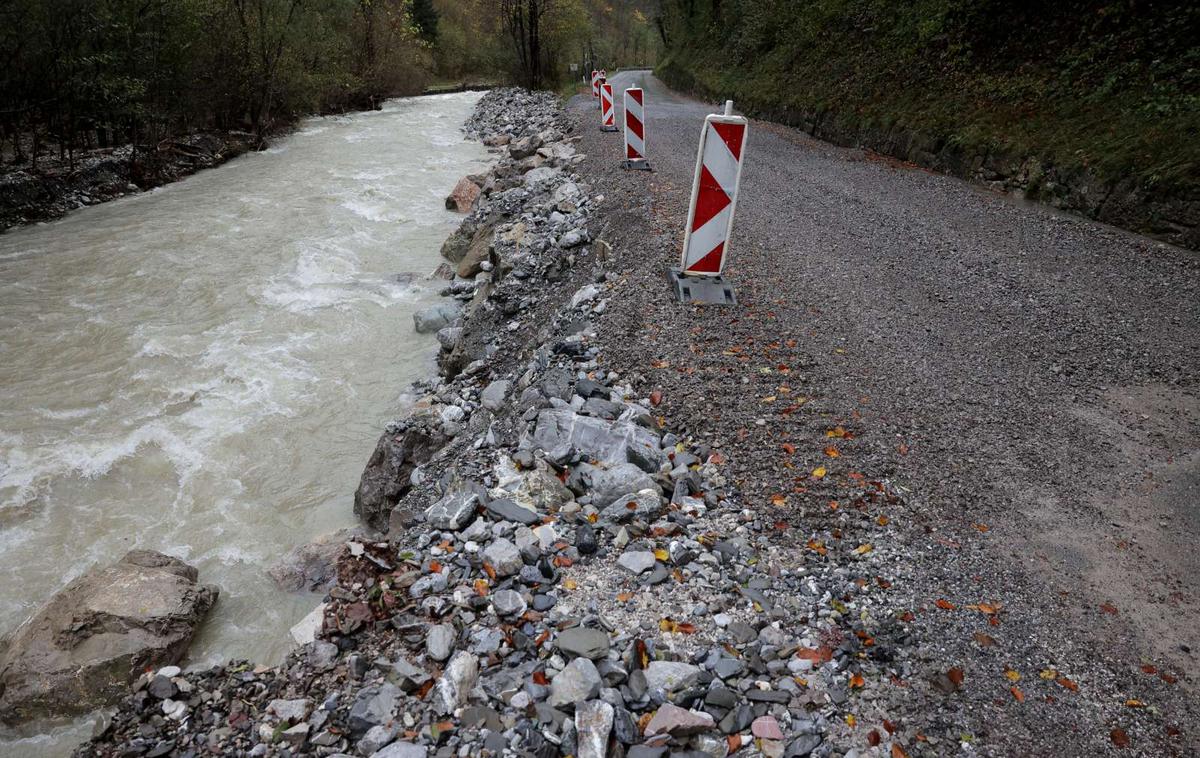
[(1026, 383)]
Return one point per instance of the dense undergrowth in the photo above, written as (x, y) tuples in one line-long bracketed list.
[(1111, 87)]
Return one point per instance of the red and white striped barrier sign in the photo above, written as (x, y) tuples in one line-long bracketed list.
[(595, 83), (635, 129), (608, 116), (714, 193)]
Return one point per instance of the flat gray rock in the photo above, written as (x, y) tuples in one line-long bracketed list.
[(669, 676), (636, 561), (402, 750), (583, 642), (645, 505), (510, 510)]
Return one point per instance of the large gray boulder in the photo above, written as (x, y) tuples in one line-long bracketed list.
[(388, 475), (559, 431), (437, 316), (85, 647)]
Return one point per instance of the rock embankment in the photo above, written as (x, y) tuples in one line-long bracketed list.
[(562, 575), (84, 648)]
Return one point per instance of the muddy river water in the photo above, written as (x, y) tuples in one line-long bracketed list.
[(204, 369)]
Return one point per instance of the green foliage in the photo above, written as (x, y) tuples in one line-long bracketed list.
[(1111, 85), (97, 71), (425, 19)]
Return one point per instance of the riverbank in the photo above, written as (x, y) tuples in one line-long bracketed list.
[(59, 186), (563, 572)]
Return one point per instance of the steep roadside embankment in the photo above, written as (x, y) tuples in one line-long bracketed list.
[(1091, 106)]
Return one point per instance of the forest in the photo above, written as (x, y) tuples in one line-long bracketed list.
[(1110, 87), (87, 74)]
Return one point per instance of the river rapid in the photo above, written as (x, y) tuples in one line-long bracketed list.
[(204, 369)]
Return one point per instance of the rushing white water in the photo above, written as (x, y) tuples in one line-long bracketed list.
[(204, 369)]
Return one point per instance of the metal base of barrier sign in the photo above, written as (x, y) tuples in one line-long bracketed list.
[(704, 290), (640, 164), (608, 128)]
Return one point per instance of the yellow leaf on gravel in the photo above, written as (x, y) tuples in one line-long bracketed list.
[(883, 521), (818, 472), (837, 432), (863, 549), (850, 720), (570, 584), (778, 499), (1047, 674), (832, 451), (1011, 675), (662, 554)]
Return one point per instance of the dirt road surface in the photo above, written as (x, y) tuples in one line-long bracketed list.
[(1029, 380)]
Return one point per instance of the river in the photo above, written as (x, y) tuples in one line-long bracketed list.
[(204, 369)]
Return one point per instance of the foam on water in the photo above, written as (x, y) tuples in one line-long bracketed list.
[(204, 370)]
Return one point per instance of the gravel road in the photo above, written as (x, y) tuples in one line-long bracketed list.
[(1028, 379)]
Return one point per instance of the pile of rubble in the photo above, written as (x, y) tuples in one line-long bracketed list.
[(561, 575)]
